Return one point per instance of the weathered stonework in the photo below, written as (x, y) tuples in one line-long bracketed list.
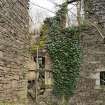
[(14, 44), (95, 11), (89, 91)]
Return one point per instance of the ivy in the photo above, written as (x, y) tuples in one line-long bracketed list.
[(65, 54), (64, 50)]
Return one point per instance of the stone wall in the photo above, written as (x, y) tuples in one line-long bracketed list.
[(14, 44), (95, 11), (89, 90)]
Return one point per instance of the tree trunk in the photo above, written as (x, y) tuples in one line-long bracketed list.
[(79, 13)]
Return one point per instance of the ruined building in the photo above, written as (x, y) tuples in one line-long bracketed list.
[(14, 45), (91, 86), (15, 61)]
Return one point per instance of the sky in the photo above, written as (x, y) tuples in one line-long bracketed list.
[(35, 10), (38, 14)]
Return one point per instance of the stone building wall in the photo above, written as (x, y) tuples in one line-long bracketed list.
[(14, 44), (89, 89)]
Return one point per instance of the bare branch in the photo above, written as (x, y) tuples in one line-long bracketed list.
[(71, 1)]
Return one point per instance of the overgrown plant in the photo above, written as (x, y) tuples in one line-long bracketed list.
[(64, 50), (42, 40)]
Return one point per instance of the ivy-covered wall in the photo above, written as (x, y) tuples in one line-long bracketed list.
[(64, 50)]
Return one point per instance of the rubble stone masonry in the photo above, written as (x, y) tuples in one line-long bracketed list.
[(14, 44), (89, 90)]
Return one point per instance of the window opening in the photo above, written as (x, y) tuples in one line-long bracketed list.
[(102, 78), (41, 61)]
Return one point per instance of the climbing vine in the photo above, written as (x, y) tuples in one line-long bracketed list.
[(64, 50)]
